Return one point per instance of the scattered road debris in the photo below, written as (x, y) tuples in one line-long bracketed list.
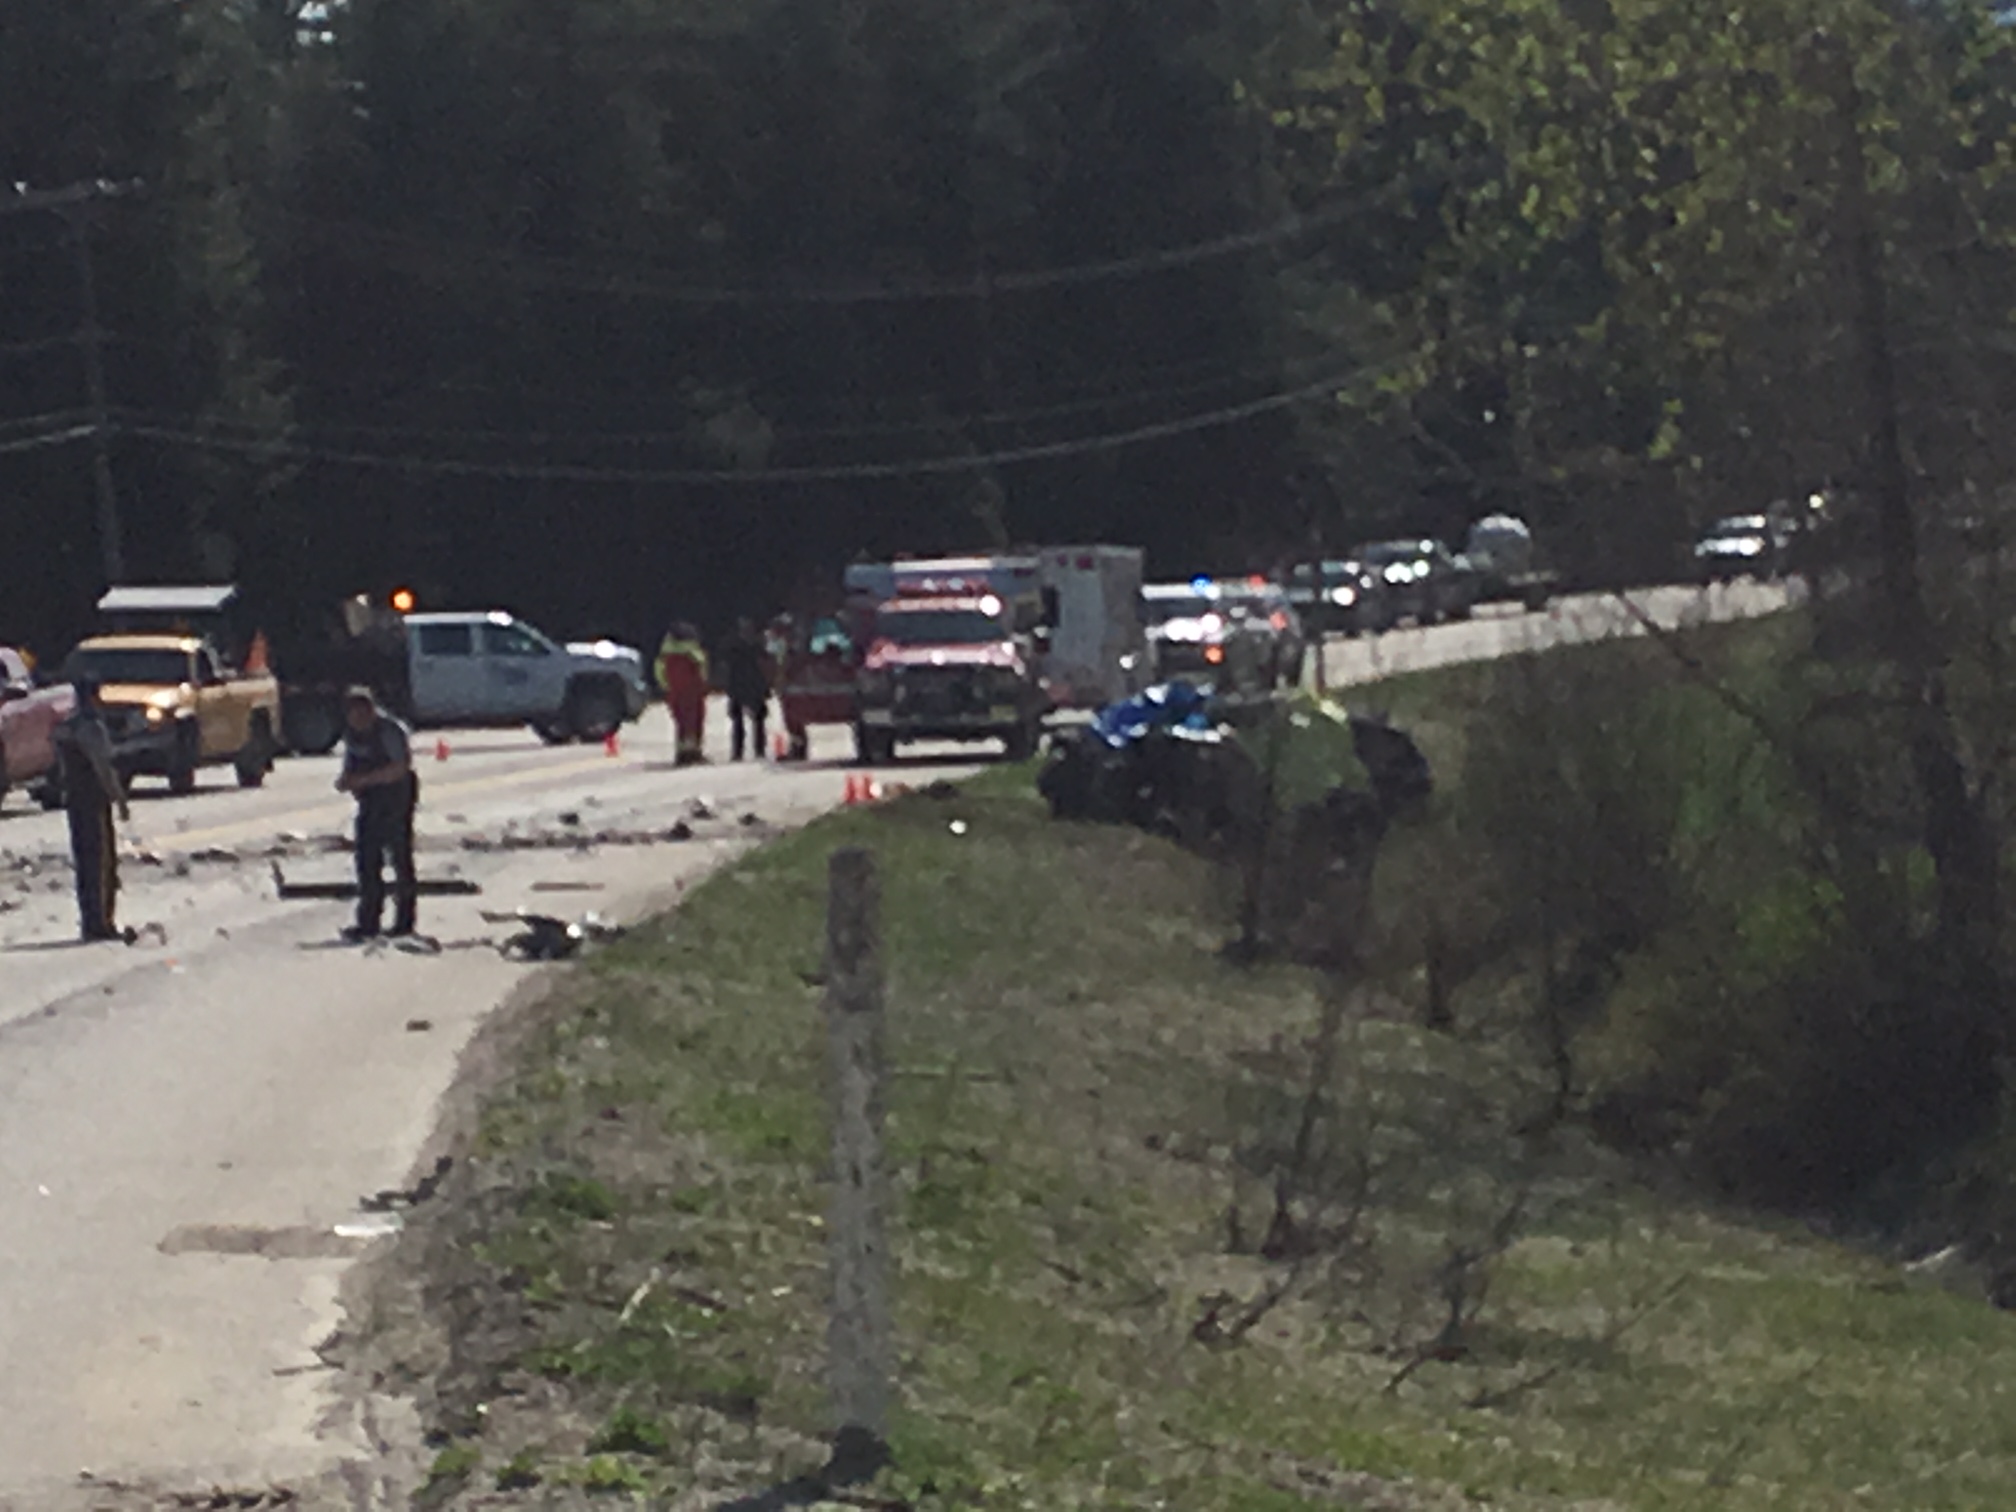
[(394, 1198), (544, 938), (430, 887)]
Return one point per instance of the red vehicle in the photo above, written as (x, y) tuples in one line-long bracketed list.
[(28, 719), (815, 684), (948, 664)]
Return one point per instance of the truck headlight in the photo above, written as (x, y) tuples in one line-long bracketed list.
[(156, 714), (1344, 598)]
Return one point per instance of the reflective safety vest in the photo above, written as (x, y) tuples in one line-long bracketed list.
[(690, 652)]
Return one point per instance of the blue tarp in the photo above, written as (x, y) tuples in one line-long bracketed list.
[(1181, 707)]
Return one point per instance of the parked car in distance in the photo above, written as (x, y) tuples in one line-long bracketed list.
[(1736, 546), (1267, 607), (1420, 579), (1192, 634), (1499, 559), (29, 714), (1338, 597)]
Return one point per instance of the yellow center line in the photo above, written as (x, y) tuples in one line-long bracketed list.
[(185, 840)]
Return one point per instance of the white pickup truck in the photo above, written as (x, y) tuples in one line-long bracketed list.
[(474, 668)]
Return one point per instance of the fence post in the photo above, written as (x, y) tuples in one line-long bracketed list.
[(859, 1331)]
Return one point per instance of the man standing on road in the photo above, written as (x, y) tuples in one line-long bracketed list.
[(378, 773), (91, 786), (682, 673), (749, 676)]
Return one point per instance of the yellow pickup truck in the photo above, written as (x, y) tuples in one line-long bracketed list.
[(175, 706)]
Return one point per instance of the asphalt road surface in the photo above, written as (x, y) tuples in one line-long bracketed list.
[(188, 1125)]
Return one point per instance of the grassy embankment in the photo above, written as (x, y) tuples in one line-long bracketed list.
[(625, 1279)]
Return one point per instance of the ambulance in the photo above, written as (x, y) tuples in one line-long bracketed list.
[(1080, 604)]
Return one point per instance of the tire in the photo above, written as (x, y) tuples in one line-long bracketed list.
[(800, 748), (874, 747), (184, 759), (49, 792), (311, 724), (555, 732), (255, 761), (1020, 743), (594, 711)]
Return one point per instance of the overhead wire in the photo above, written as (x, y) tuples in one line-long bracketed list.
[(279, 448), (48, 439), (1116, 385), (45, 420), (581, 275), (949, 418)]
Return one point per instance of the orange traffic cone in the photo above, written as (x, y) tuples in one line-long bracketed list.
[(853, 790), (441, 749), (612, 744)]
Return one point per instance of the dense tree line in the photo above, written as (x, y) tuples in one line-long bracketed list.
[(653, 304)]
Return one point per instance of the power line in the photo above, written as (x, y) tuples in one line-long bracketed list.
[(52, 438), (1111, 384), (580, 275), (838, 472), (946, 419), (44, 421)]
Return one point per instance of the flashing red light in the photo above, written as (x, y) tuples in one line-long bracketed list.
[(403, 600), (1214, 654)]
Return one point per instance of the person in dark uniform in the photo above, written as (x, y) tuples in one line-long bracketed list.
[(378, 773), (747, 666), (91, 788)]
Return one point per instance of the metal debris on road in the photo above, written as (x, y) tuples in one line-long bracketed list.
[(413, 1196), (545, 938), (430, 887)]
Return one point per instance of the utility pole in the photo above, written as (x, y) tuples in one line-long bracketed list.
[(74, 203)]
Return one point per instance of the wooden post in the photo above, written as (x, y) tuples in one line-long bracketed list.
[(859, 1331)]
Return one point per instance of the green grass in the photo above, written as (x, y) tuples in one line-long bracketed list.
[(1085, 1089)]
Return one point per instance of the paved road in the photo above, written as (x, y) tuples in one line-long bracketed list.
[(237, 1084), (240, 1084)]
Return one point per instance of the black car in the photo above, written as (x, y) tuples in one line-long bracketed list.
[(1265, 607), (1420, 580), (1738, 546), (1339, 598)]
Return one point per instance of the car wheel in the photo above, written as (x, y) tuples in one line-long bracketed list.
[(595, 712), (183, 760), (555, 732), (49, 792), (874, 747), (312, 725)]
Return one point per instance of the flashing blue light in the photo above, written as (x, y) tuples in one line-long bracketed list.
[(1201, 583)]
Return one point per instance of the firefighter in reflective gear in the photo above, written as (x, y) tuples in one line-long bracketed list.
[(682, 673), (91, 787)]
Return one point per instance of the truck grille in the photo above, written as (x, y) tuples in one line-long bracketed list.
[(939, 690)]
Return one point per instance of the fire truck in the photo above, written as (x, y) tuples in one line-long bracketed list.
[(1074, 612)]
